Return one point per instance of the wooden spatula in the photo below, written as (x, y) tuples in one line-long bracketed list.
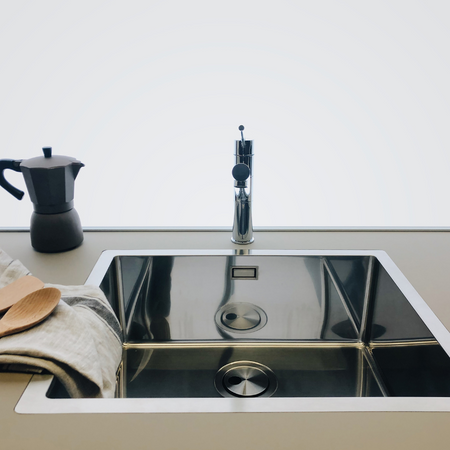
[(29, 311), (11, 294)]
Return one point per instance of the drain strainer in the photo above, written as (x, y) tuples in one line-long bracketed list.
[(245, 379), (241, 318)]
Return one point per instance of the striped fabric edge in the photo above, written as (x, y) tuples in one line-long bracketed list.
[(96, 306)]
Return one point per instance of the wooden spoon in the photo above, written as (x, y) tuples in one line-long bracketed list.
[(29, 311), (11, 294)]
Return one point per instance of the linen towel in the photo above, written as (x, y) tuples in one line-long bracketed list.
[(80, 342)]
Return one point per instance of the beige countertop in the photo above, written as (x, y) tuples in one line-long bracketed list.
[(421, 255)]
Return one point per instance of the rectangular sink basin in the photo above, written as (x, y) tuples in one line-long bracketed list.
[(264, 331)]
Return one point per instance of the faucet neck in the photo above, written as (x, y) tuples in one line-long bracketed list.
[(244, 155), (243, 224)]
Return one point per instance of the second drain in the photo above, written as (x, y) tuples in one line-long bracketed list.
[(245, 379)]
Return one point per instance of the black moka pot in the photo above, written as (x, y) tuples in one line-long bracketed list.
[(55, 225)]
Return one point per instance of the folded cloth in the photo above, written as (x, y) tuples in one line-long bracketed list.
[(80, 342)]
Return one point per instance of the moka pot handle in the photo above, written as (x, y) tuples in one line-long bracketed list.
[(13, 164)]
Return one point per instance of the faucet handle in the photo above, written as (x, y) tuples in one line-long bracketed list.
[(241, 172)]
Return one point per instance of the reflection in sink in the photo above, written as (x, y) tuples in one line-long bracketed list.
[(297, 372), (212, 325), (307, 298)]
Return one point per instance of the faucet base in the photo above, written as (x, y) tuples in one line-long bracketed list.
[(243, 242)]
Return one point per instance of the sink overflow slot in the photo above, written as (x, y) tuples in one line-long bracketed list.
[(244, 273)]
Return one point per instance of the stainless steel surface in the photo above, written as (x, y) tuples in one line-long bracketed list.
[(307, 298), (182, 293), (242, 232), (345, 331)]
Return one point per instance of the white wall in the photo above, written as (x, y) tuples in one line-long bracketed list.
[(347, 102)]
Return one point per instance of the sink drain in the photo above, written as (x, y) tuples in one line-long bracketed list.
[(241, 318), (245, 379)]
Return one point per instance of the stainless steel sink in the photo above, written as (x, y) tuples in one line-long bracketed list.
[(264, 331)]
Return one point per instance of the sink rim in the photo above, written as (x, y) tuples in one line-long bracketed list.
[(34, 400)]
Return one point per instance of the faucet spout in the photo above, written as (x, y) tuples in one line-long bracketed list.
[(242, 225), (242, 174)]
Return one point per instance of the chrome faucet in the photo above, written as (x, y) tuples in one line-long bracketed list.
[(243, 174)]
